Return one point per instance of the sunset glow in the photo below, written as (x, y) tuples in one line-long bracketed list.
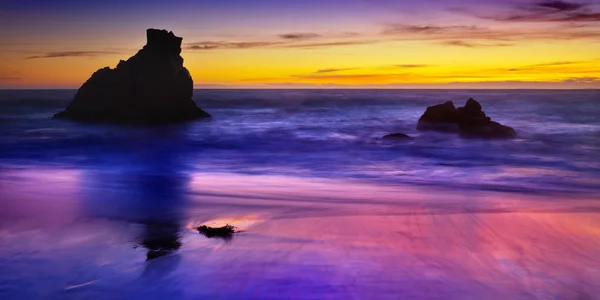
[(352, 43)]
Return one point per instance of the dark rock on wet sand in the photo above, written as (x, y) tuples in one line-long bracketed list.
[(469, 121), (226, 232), (397, 136), (152, 87)]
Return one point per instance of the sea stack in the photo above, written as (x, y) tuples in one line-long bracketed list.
[(150, 88), (468, 121)]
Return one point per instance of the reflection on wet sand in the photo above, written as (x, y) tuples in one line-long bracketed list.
[(418, 256), (153, 196), (160, 240), (38, 195), (300, 238)]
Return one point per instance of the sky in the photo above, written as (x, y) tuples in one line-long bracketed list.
[(312, 43)]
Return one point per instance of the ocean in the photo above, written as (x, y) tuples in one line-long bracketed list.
[(326, 208)]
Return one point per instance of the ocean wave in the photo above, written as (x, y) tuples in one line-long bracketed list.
[(293, 132)]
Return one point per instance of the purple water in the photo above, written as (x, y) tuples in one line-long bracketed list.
[(327, 208)]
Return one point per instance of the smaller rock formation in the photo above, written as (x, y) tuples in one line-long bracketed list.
[(397, 136), (468, 121), (226, 232), (151, 87), (441, 117)]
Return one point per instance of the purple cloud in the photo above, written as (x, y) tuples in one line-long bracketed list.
[(299, 36), (543, 11), (560, 5), (476, 36)]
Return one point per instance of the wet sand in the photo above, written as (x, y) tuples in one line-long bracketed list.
[(72, 234)]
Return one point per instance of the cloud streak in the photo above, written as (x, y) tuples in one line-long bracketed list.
[(459, 43), (545, 11), (581, 73), (560, 5), (336, 70), (477, 36), (443, 33), (217, 45), (333, 70), (581, 67), (299, 36), (397, 77), (454, 35), (402, 29), (211, 45), (556, 63), (411, 66), (88, 54), (586, 80), (332, 44)]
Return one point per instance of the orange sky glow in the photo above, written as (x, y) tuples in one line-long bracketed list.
[(339, 44)]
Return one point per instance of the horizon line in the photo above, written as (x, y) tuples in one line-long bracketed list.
[(334, 88)]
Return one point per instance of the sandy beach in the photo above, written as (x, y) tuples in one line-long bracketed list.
[(305, 238)]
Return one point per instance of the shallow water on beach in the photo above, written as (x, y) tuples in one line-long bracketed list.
[(71, 235), (325, 208)]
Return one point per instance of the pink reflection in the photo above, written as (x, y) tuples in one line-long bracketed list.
[(39, 195), (424, 255), (365, 196), (265, 188), (375, 239), (312, 238)]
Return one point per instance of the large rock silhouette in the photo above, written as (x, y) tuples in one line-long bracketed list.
[(468, 121), (151, 87)]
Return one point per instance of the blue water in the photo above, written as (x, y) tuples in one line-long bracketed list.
[(328, 134), (327, 209)]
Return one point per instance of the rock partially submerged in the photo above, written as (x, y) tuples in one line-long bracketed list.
[(151, 87), (226, 232), (397, 136), (441, 117), (468, 121)]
